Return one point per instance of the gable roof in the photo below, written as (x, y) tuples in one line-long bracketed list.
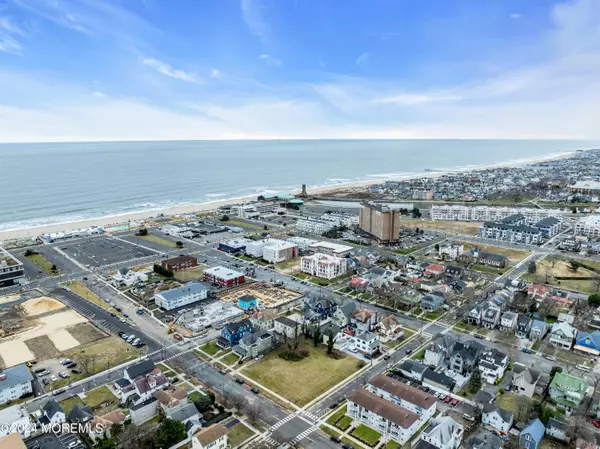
[(80, 413), (594, 337), (140, 369), (287, 321), (51, 408), (388, 410), (487, 441), (363, 315), (536, 429), (569, 382), (235, 326), (507, 416), (565, 328), (210, 434), (403, 391), (411, 365)]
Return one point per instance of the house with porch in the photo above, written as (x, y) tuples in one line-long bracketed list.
[(497, 419), (529, 381), (432, 302), (567, 391), (562, 335), (508, 321), (343, 314), (588, 343), (524, 324), (253, 344), (492, 364), (389, 329), (539, 329), (233, 332)]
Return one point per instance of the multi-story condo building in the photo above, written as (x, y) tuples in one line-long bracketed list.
[(324, 266), (589, 187), (253, 210), (588, 226), (11, 269), (511, 233), (380, 221), (181, 296), (416, 401), (489, 213), (326, 222), (14, 383)]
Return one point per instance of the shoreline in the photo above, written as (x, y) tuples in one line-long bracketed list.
[(115, 220)]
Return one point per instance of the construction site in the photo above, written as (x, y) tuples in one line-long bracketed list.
[(269, 296)]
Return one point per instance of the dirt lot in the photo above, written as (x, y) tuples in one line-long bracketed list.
[(193, 274), (454, 227), (42, 347), (267, 294), (44, 304), (86, 333)]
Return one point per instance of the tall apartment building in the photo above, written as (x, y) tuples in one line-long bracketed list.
[(11, 270), (490, 213), (589, 226), (380, 221)]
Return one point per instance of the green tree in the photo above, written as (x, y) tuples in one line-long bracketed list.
[(29, 252), (170, 432), (265, 227), (416, 213), (54, 268), (204, 403), (115, 430), (532, 268), (143, 232), (317, 336), (594, 299), (574, 265), (225, 218), (554, 370), (475, 381), (179, 244), (437, 246), (105, 443), (330, 341)]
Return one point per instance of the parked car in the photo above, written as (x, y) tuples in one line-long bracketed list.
[(335, 439), (44, 373), (63, 374), (76, 371), (239, 381), (45, 381), (113, 314), (352, 349), (448, 399), (551, 358), (408, 351), (39, 370), (66, 361), (59, 391), (526, 350), (442, 396), (596, 424), (254, 390), (386, 357), (347, 446), (53, 378), (455, 403)]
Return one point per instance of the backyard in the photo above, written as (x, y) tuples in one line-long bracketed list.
[(367, 435), (238, 434), (312, 375)]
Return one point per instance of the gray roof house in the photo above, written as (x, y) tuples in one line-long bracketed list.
[(528, 381), (497, 418), (438, 351), (431, 302), (253, 344), (413, 370), (523, 326), (539, 329), (464, 356), (557, 429), (343, 313), (81, 414), (486, 441)]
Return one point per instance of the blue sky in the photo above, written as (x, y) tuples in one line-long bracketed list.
[(79, 70)]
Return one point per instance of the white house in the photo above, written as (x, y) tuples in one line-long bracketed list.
[(211, 437), (181, 296), (562, 335), (497, 418), (128, 277), (443, 433), (366, 342), (52, 413), (409, 398), (15, 382), (509, 320), (324, 266), (286, 326), (492, 365), (15, 419)]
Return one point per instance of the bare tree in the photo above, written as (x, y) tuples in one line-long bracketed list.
[(547, 274), (523, 408), (239, 402), (596, 281), (552, 258), (87, 362), (254, 412)]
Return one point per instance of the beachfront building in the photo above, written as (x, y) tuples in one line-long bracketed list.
[(588, 226), (489, 213), (380, 221), (256, 209), (181, 296), (324, 266), (588, 187), (11, 269), (275, 251), (224, 276), (331, 249)]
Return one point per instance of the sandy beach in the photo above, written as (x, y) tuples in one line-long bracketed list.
[(107, 222)]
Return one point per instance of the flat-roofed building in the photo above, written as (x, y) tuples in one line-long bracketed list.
[(588, 226), (11, 269), (380, 221), (224, 276), (457, 212), (332, 249), (590, 187), (179, 263), (302, 242), (323, 266), (275, 251)]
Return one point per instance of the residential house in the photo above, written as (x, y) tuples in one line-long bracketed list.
[(140, 384), (389, 329), (127, 277), (537, 292), (443, 433), (557, 429), (474, 256), (343, 313), (367, 342), (263, 320), (438, 381), (247, 302), (434, 269), (528, 381), (464, 357), (508, 321), (391, 420), (483, 397), (562, 297), (486, 313), (562, 335), (493, 364), (144, 411), (453, 271), (232, 333), (432, 302), (451, 251), (253, 344), (491, 317), (539, 329), (52, 413), (15, 382), (567, 391), (15, 419), (211, 437), (287, 327), (81, 414), (176, 405), (532, 435), (409, 398), (497, 418), (413, 370), (524, 324), (364, 320), (101, 425), (486, 441), (438, 351), (316, 308), (588, 343)]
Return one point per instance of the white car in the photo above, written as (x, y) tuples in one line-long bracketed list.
[(551, 357), (53, 378), (352, 349)]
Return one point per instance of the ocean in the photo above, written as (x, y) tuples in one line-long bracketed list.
[(53, 183)]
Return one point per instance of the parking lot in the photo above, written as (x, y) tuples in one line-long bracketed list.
[(99, 251), (52, 441)]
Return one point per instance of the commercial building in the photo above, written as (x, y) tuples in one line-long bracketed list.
[(181, 296), (590, 187), (332, 249), (489, 213), (380, 221), (180, 263), (11, 269), (588, 226), (15, 382), (275, 251), (256, 209), (224, 276), (323, 266), (302, 242), (234, 246)]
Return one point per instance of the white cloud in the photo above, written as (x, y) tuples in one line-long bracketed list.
[(7, 24), (99, 94), (253, 15), (515, 16), (363, 60), (269, 60), (214, 73), (414, 98), (167, 70), (8, 41)]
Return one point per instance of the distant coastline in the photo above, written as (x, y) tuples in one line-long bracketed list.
[(114, 220)]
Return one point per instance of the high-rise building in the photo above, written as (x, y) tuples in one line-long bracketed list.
[(380, 221)]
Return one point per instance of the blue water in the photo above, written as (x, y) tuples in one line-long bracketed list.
[(61, 182)]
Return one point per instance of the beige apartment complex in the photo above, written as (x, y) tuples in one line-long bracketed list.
[(380, 221)]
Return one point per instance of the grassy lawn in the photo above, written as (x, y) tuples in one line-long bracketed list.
[(68, 404), (230, 359), (288, 264), (102, 354), (99, 396), (366, 435), (193, 274), (391, 445), (158, 240), (243, 224), (395, 343), (301, 275), (330, 431), (507, 401), (337, 415), (561, 269), (514, 255), (42, 263), (418, 355), (465, 326), (80, 289), (312, 376), (320, 281), (434, 315), (454, 227), (344, 423), (486, 269), (238, 434), (211, 348)]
